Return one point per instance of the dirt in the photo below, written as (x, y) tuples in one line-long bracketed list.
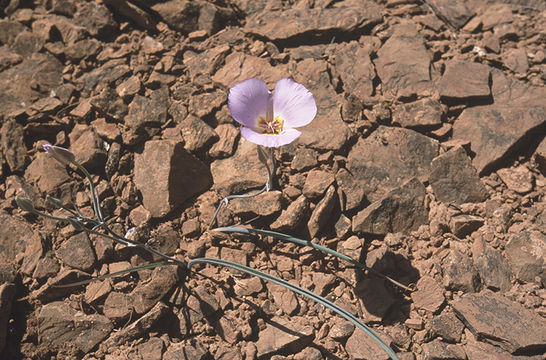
[(426, 161)]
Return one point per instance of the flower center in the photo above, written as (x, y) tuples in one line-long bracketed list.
[(270, 126)]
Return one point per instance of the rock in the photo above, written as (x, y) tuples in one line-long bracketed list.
[(374, 162), (147, 294), (27, 43), (464, 81), (516, 60), (456, 14), (167, 175), (82, 49), (43, 71), (197, 134), (421, 113), (148, 111), (201, 304), (509, 124), (97, 290), (151, 46), (439, 350), (460, 273), (107, 104), (138, 328), (109, 73), (526, 254), (540, 156), (59, 324), (77, 252), (316, 183), (455, 180), (96, 19), (34, 250), (193, 351), (464, 224), (284, 336), (284, 298), (206, 62), (322, 212), (7, 294), (117, 306), (204, 104), (152, 349), (518, 179), (227, 136), (239, 173), (492, 266), (128, 88), (9, 31), (402, 210), (13, 144), (304, 159), (88, 149), (361, 347), (239, 66), (447, 326), (292, 216), (352, 189), (8, 58), (429, 295), (486, 315), (374, 298), (291, 24), (352, 62), (248, 287), (341, 330), (263, 205), (50, 291), (403, 63), (13, 238), (478, 350)]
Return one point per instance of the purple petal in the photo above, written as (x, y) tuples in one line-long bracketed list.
[(61, 154), (267, 140), (293, 103), (247, 101)]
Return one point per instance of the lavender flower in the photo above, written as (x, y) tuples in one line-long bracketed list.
[(269, 119), (60, 154)]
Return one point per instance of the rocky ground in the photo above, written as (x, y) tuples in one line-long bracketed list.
[(426, 160)]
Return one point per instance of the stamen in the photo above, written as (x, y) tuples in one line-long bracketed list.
[(272, 127)]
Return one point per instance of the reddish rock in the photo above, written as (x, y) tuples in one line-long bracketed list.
[(439, 350), (204, 104), (13, 145), (447, 326), (206, 62), (374, 298), (460, 273), (304, 159), (465, 80), (88, 149), (361, 347), (316, 183), (518, 179), (239, 66), (455, 13), (292, 216), (82, 49), (46, 172), (390, 157), (421, 113), (27, 43), (227, 136), (284, 298), (516, 60), (148, 111), (526, 254), (463, 224), (197, 134), (352, 189), (486, 315), (77, 252), (402, 210), (322, 212), (282, 335), (264, 205), (286, 24), (167, 175), (403, 63), (429, 295), (117, 306), (352, 62), (147, 294), (455, 180)]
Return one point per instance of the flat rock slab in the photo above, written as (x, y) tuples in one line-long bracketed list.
[(456, 13), (402, 210), (284, 335), (455, 180), (239, 173), (388, 158), (403, 63), (167, 175), (493, 318), (282, 25), (493, 130), (59, 324), (361, 347), (429, 295), (352, 62), (526, 254), (465, 80), (421, 113), (239, 66)]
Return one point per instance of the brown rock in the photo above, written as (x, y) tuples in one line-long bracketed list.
[(117, 306), (447, 326), (361, 347), (97, 290), (286, 336), (204, 104), (284, 298), (248, 287), (352, 189), (375, 299), (239, 66), (540, 156), (316, 183), (77, 252), (197, 134), (486, 315), (456, 14), (439, 350), (148, 111), (352, 62), (492, 267), (13, 145), (59, 324), (97, 19), (421, 113), (151, 349), (50, 291), (227, 136), (526, 254), (8, 58), (464, 224), (9, 30), (455, 180), (509, 123), (82, 49), (375, 163), (402, 210), (88, 149), (464, 80), (167, 175), (292, 216), (151, 46), (518, 179), (206, 62), (287, 24), (239, 173), (304, 159), (322, 212), (264, 204), (516, 60), (429, 295), (403, 63), (7, 294), (460, 273), (27, 43), (147, 294), (194, 351)]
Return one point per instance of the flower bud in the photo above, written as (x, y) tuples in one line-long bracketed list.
[(24, 204), (61, 154)]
